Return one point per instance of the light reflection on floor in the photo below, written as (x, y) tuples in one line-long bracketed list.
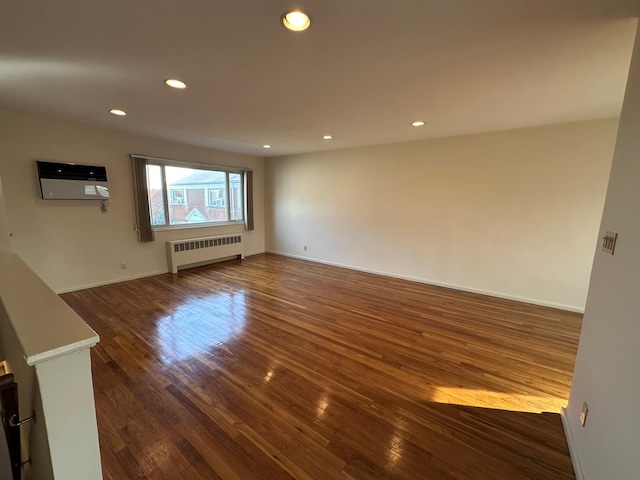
[(396, 444), (195, 327), (514, 402), (322, 406)]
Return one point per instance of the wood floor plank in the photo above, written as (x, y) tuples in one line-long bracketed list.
[(275, 368)]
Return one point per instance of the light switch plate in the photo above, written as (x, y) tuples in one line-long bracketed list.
[(609, 242)]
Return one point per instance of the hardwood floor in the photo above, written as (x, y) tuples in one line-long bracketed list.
[(276, 368)]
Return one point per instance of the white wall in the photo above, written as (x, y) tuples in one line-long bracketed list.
[(606, 372), (512, 213), (71, 244)]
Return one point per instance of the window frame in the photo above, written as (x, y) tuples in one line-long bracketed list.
[(162, 163)]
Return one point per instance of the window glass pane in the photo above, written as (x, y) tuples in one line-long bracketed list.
[(156, 194), (236, 196), (196, 196)]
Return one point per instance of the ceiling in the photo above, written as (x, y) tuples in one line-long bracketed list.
[(363, 72)]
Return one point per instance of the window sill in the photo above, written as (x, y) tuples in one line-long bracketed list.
[(187, 226)]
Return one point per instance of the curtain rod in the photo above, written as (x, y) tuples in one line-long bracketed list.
[(186, 162)]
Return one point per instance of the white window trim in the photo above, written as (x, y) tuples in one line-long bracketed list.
[(186, 226)]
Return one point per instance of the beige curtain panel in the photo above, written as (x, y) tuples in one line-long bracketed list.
[(141, 199), (248, 188)]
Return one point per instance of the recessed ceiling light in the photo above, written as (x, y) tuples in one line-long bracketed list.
[(266, 146), (172, 82), (419, 123), (328, 137), (295, 20), (115, 111)]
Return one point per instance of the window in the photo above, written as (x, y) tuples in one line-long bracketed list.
[(190, 195), (216, 198), (178, 197)]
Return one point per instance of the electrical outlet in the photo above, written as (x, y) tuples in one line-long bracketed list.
[(305, 248), (123, 266), (609, 242), (583, 413)]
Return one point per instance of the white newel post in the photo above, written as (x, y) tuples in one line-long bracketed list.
[(69, 414)]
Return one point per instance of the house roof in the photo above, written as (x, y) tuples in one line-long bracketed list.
[(363, 71), (201, 177)]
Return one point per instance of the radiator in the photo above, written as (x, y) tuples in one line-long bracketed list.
[(181, 253)]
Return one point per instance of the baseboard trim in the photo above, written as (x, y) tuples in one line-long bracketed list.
[(110, 282), (573, 453), (560, 306), (124, 279)]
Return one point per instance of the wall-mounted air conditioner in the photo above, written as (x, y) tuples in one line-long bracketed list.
[(70, 181)]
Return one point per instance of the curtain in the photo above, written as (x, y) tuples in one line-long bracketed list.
[(248, 193), (141, 199)]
